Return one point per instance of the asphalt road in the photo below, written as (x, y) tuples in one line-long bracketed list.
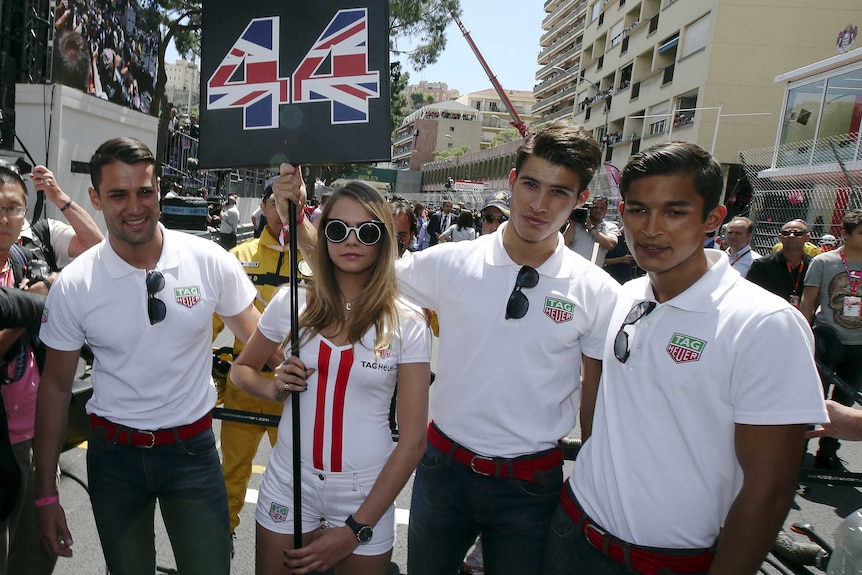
[(821, 505)]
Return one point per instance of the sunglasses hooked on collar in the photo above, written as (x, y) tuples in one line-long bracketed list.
[(156, 309), (518, 304), (621, 341)]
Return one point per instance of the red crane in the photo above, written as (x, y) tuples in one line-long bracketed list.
[(517, 122)]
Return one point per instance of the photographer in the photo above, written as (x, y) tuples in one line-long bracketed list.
[(588, 234)]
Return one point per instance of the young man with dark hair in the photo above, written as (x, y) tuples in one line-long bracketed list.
[(832, 282), (708, 385), (143, 299)]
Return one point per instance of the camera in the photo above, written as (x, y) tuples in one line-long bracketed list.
[(580, 215), (37, 271)]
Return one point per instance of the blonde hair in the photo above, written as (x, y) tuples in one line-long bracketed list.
[(377, 305)]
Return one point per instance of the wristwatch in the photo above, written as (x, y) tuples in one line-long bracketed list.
[(362, 531)]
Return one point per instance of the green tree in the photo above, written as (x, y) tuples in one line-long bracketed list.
[(451, 153), (503, 136), (417, 98)]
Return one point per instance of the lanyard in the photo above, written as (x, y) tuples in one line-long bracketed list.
[(740, 255), (852, 277), (795, 276)]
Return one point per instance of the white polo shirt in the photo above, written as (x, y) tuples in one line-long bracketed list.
[(147, 376), (741, 261), (508, 387), (660, 468)]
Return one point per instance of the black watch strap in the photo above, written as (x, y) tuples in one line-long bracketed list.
[(362, 531)]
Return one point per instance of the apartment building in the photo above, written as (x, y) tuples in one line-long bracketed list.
[(643, 71), (182, 76), (440, 126), (494, 114), (439, 91), (559, 58)]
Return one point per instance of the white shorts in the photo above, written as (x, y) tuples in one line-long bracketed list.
[(325, 495)]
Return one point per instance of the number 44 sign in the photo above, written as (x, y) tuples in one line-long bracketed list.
[(332, 107)]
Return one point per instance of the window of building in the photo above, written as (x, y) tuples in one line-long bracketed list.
[(801, 113), (696, 35), (842, 113), (594, 13), (657, 119), (616, 33), (685, 107)]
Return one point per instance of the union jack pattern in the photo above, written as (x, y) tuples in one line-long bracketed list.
[(248, 77), (343, 48)]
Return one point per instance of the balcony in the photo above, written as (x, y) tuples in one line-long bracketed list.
[(561, 113), (550, 52), (570, 19)]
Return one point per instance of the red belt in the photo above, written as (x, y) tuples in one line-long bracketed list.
[(139, 438), (526, 468), (641, 559)]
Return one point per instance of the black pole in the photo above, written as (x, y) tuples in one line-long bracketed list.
[(294, 397)]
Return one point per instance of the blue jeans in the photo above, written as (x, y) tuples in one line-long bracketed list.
[(569, 553), (451, 505), (186, 479)]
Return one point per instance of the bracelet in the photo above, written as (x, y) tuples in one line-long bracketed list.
[(50, 500), (301, 217), (69, 203)]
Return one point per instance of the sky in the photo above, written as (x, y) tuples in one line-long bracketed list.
[(507, 33)]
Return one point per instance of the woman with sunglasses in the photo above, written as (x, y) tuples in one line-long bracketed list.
[(357, 340)]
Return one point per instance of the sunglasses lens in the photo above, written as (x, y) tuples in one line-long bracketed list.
[(155, 282), (369, 234), (528, 277), (517, 306), (621, 346), (489, 219), (156, 310), (336, 231)]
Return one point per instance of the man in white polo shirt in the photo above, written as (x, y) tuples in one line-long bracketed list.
[(143, 300), (708, 386)]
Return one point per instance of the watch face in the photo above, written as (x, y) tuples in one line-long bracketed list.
[(364, 534)]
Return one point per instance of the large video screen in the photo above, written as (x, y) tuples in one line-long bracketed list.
[(108, 48)]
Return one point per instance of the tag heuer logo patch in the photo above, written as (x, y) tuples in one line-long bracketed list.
[(278, 512), (684, 348), (559, 310), (187, 296)]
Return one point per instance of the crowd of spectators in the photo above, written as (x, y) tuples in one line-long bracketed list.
[(107, 49)]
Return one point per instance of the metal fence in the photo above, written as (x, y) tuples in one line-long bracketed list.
[(813, 180), (179, 165)]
